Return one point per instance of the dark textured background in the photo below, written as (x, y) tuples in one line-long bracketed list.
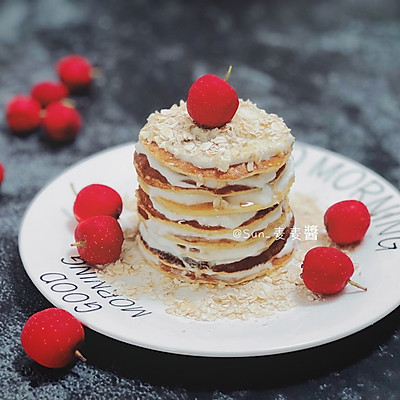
[(330, 69)]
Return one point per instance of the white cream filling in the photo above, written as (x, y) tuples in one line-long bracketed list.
[(226, 221), (286, 176), (183, 198), (164, 228), (263, 196), (173, 178), (288, 248), (213, 257), (206, 253), (177, 179), (269, 150), (223, 277)]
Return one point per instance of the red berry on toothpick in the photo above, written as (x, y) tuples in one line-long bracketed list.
[(53, 337), (327, 270), (97, 199), (347, 221), (61, 121), (2, 172), (99, 239), (76, 72), (23, 114), (212, 101), (47, 92)]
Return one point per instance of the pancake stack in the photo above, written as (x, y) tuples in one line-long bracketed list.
[(213, 203)]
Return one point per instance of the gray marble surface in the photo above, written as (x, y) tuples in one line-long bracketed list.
[(330, 69)]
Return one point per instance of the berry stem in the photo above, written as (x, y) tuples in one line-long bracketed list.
[(68, 103), (96, 72), (80, 356), (357, 285), (228, 74), (81, 244), (73, 189)]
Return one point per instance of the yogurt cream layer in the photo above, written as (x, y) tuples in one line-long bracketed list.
[(168, 227), (260, 195), (212, 253), (231, 273), (180, 180)]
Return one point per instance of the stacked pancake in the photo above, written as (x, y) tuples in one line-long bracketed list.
[(213, 203)]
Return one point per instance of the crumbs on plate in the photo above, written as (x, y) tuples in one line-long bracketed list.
[(280, 289)]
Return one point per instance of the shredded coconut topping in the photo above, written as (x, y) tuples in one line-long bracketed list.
[(253, 135)]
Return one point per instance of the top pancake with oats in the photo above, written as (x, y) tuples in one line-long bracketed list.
[(252, 142)]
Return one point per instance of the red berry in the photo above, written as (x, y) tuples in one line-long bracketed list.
[(327, 270), (46, 92), (2, 171), (52, 338), (347, 221), (99, 239), (23, 113), (61, 122), (97, 199), (212, 102), (75, 71)]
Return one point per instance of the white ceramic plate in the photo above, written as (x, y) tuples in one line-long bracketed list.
[(47, 231)]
